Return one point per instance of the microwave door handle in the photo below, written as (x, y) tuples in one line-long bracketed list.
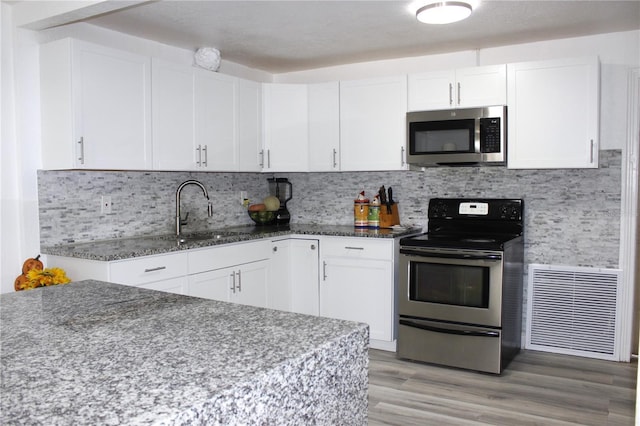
[(476, 333)]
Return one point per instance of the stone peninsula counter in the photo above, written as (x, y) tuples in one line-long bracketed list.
[(92, 352), (126, 248)]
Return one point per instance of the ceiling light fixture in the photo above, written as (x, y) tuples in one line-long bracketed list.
[(444, 12)]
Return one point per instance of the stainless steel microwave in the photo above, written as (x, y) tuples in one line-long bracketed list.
[(457, 137)]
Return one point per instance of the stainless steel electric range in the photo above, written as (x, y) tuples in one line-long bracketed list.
[(460, 293)]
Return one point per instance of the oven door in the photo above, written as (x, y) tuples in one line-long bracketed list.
[(461, 286)]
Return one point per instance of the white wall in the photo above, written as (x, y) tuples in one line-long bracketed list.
[(20, 150)]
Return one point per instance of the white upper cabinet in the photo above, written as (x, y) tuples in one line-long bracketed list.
[(194, 119), (174, 146), (553, 111), (215, 107), (249, 102), (286, 134), (373, 124), (461, 88), (96, 107), (324, 127)]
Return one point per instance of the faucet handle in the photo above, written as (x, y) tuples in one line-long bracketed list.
[(184, 221)]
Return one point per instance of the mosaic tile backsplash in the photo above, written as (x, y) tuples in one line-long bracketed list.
[(572, 216)]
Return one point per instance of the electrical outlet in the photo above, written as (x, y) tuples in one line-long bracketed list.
[(105, 206), (243, 197)]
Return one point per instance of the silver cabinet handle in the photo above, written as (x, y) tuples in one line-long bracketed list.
[(354, 248), (81, 156), (239, 280), (233, 282), (199, 156), (591, 160), (262, 158), (458, 93), (324, 270), (450, 94), (335, 153), (159, 268), (268, 159), (204, 149), (402, 162)]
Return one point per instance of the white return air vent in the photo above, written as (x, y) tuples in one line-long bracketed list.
[(573, 311)]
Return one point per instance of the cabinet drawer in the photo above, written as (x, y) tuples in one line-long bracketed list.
[(148, 269), (357, 248), (226, 256)]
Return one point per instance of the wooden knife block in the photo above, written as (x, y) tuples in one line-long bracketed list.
[(387, 220)]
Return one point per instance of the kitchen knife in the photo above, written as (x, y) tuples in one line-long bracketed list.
[(382, 193), (390, 201)]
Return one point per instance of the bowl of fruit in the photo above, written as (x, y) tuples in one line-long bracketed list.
[(264, 213)]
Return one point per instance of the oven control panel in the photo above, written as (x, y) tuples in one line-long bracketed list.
[(478, 209), (491, 209)]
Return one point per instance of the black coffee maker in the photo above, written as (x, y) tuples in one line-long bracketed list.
[(282, 189)]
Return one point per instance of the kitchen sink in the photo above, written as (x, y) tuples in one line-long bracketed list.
[(198, 236), (203, 236)]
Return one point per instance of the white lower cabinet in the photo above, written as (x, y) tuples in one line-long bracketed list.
[(231, 273), (357, 283), (293, 276), (348, 278), (165, 272), (245, 284), (174, 285)]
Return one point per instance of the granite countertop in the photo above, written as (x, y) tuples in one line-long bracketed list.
[(126, 248), (98, 353)]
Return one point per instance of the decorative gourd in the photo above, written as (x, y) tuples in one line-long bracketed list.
[(32, 263), (21, 283)]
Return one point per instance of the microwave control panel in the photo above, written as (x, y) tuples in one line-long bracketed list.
[(490, 134)]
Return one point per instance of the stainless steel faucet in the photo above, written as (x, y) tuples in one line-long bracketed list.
[(179, 220)]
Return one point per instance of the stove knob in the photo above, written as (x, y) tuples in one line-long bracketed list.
[(503, 212)]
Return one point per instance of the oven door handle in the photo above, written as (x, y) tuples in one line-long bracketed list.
[(420, 253), (449, 331)]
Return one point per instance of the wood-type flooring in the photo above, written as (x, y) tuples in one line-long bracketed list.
[(537, 388)]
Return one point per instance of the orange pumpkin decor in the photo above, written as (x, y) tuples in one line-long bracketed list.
[(32, 263), (34, 275)]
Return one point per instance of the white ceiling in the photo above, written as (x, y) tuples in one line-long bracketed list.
[(283, 36)]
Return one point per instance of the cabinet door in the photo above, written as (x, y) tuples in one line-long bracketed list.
[(249, 103), (481, 86), (250, 284), (293, 276), (112, 109), (361, 291), (174, 145), (553, 114), (431, 90), (215, 120), (215, 285), (280, 282), (96, 107), (324, 127), (285, 127), (461, 88), (373, 124)]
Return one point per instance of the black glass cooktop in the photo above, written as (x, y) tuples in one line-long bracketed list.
[(475, 242)]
